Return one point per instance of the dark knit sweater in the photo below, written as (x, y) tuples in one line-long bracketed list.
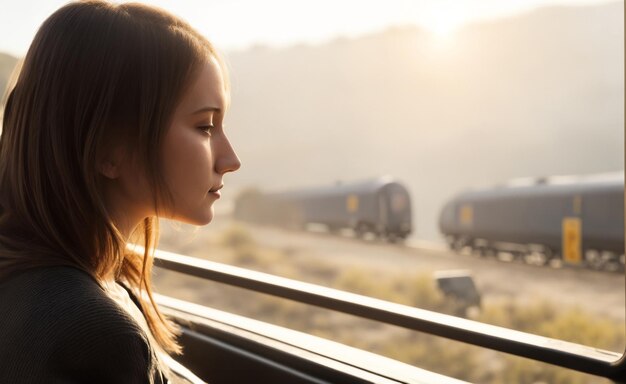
[(58, 326)]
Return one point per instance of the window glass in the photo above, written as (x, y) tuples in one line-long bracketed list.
[(462, 158)]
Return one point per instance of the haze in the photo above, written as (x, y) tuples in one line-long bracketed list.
[(534, 94)]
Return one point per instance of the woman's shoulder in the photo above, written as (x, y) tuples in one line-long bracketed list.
[(62, 315), (64, 296)]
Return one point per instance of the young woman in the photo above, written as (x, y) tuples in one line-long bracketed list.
[(115, 119)]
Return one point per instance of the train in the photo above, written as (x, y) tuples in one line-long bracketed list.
[(380, 206), (576, 220)]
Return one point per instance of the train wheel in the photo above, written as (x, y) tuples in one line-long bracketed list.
[(593, 259), (460, 244), (555, 260), (518, 256), (612, 262), (489, 252), (537, 257)]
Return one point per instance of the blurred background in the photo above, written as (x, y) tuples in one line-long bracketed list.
[(443, 96), (434, 93)]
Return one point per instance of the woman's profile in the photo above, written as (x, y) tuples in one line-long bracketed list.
[(115, 119)]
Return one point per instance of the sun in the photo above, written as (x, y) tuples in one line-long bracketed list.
[(442, 25), (442, 28)]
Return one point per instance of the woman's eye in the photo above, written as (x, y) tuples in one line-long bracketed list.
[(207, 128)]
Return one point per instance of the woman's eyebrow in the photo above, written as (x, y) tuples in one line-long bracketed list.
[(207, 109)]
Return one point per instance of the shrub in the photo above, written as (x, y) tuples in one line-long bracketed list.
[(236, 237)]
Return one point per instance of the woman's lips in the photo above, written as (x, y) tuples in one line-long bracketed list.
[(216, 191)]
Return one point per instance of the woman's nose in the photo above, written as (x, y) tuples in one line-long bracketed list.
[(227, 160)]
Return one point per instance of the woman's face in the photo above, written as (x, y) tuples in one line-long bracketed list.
[(195, 155), (196, 152)]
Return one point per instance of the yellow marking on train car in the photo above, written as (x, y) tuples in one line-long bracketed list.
[(466, 215), (352, 203), (577, 204), (572, 240)]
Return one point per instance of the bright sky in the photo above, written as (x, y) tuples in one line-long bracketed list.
[(236, 24)]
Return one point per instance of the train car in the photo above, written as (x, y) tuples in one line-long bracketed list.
[(381, 206), (575, 220)]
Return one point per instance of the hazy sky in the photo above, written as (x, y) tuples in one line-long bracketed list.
[(235, 24)]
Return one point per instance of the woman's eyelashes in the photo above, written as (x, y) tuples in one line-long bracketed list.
[(206, 128)]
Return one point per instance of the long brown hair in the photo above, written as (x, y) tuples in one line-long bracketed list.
[(96, 74)]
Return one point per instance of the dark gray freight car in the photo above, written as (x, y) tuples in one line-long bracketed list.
[(576, 221), (381, 206)]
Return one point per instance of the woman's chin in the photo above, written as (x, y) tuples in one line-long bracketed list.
[(203, 220), (199, 219)]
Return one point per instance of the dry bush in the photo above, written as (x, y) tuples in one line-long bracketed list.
[(236, 236)]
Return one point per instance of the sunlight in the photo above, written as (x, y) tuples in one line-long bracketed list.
[(442, 26), (442, 29)]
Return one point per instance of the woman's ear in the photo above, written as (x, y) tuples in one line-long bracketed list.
[(110, 164), (109, 170)]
